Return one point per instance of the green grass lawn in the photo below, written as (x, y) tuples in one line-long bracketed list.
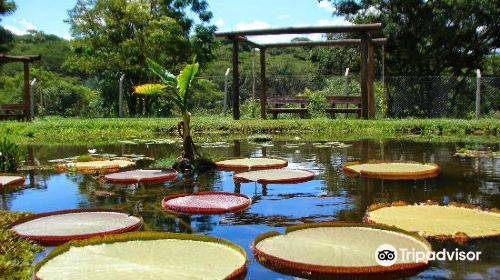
[(62, 130)]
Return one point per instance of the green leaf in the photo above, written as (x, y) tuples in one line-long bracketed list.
[(185, 78), (148, 89), (161, 72)]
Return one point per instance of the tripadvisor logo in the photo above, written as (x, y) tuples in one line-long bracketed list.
[(387, 255)]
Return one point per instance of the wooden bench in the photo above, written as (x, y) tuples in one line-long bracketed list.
[(276, 105), (12, 111), (343, 100)]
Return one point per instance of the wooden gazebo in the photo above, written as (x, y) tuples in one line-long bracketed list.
[(19, 111), (367, 60)]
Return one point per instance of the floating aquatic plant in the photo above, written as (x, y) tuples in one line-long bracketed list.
[(396, 170), (54, 228), (251, 163), (455, 221), (337, 249), (141, 176), (145, 255), (465, 152), (206, 203), (270, 176), (10, 180)]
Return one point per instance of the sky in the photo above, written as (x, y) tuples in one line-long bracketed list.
[(49, 15)]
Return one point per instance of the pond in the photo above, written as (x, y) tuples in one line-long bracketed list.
[(332, 195)]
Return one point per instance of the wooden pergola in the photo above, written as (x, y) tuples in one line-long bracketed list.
[(367, 68), (25, 107)]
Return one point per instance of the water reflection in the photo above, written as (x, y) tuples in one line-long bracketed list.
[(333, 195)]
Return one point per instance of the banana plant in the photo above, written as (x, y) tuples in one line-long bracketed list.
[(176, 89)]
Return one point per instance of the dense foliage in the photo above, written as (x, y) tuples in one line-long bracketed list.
[(111, 38), (16, 254), (114, 37), (432, 38), (6, 8)]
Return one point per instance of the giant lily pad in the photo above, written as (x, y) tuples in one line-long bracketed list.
[(10, 180), (141, 176), (54, 228), (460, 222), (206, 203), (393, 170), (96, 165), (275, 176), (251, 163), (144, 255), (336, 249)]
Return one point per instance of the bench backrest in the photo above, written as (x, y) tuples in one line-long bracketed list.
[(343, 99), (289, 100), (13, 107)]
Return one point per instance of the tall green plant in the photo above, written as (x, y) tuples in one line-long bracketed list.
[(11, 155), (176, 89)]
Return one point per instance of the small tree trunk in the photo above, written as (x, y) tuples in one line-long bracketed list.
[(188, 141)]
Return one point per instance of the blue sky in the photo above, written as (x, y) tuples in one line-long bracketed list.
[(48, 16)]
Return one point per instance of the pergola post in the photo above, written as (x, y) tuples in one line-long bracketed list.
[(370, 80), (263, 94), (27, 98), (363, 79), (236, 80)]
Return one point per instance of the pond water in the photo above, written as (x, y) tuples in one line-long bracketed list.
[(333, 195)]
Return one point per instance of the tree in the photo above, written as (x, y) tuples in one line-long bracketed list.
[(114, 37), (6, 8), (177, 89), (432, 37)]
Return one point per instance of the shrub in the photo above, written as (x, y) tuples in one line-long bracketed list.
[(11, 155)]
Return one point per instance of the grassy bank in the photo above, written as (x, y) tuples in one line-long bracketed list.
[(60, 130)]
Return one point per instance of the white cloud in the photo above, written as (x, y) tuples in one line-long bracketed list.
[(15, 30), (23, 28), (27, 25), (219, 22), (256, 24), (281, 17), (324, 4)]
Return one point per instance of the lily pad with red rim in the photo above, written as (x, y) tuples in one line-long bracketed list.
[(145, 255), (206, 203), (10, 180), (251, 163), (392, 170), (270, 176), (338, 250), (141, 176), (55, 228)]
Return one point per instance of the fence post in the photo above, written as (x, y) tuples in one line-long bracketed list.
[(120, 97), (346, 82), (225, 90), (478, 94), (32, 98)]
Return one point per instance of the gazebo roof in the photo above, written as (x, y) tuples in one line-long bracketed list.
[(4, 58)]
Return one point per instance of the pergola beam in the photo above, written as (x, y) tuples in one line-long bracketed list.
[(328, 43), (304, 30), (250, 43)]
